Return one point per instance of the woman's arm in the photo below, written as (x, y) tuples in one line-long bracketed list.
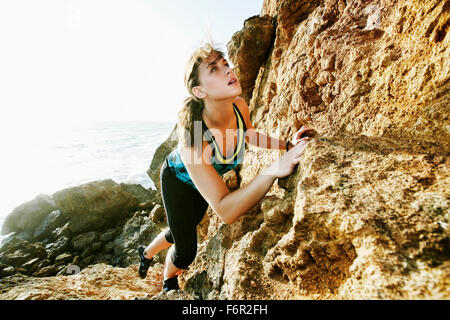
[(232, 205), (261, 140), (228, 205)]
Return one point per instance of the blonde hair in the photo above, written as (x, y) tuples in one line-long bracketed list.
[(191, 111)]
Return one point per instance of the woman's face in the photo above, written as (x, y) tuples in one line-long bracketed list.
[(217, 79)]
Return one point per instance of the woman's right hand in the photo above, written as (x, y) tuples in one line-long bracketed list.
[(286, 164)]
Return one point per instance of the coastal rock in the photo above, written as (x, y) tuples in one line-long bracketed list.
[(47, 271), (94, 205), (21, 255), (85, 240), (56, 248), (145, 198), (63, 258), (80, 224), (248, 50), (138, 230), (63, 231), (334, 231), (96, 282), (364, 215), (109, 234), (158, 213), (160, 154), (29, 215), (45, 229)]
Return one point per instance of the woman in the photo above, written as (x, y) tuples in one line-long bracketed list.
[(214, 125)]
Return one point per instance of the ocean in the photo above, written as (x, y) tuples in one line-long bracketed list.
[(45, 161)]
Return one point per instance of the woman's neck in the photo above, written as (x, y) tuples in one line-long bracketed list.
[(219, 113)]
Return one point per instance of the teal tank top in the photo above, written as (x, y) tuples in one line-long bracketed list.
[(219, 162)]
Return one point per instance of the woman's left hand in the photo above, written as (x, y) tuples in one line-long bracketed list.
[(302, 133)]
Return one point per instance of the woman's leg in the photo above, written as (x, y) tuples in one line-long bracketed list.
[(170, 270), (184, 209), (158, 244)]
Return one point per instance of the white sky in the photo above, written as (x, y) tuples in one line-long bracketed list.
[(70, 61)]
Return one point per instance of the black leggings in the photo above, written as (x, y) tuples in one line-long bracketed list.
[(185, 208)]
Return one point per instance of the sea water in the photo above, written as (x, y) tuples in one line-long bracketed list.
[(35, 161)]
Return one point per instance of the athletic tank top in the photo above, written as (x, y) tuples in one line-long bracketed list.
[(219, 162)]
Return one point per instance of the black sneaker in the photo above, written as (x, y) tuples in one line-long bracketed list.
[(144, 263), (171, 284)]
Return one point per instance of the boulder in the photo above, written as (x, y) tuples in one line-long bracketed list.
[(85, 240), (158, 213), (160, 154), (58, 247), (17, 252), (64, 258), (248, 50), (95, 205), (108, 235), (31, 266), (63, 231), (26, 217), (138, 230), (47, 271), (48, 225), (6, 271), (144, 197)]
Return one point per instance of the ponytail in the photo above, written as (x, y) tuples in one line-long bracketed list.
[(190, 122)]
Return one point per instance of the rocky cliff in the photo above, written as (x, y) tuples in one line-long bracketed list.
[(80, 243), (364, 216)]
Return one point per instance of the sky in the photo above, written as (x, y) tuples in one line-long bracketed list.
[(74, 61)]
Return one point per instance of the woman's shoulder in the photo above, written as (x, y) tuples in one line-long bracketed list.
[(242, 105)]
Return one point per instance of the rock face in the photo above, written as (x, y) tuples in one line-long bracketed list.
[(249, 50), (366, 214), (97, 222), (160, 154)]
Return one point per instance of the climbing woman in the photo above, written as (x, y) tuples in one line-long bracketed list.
[(213, 127)]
